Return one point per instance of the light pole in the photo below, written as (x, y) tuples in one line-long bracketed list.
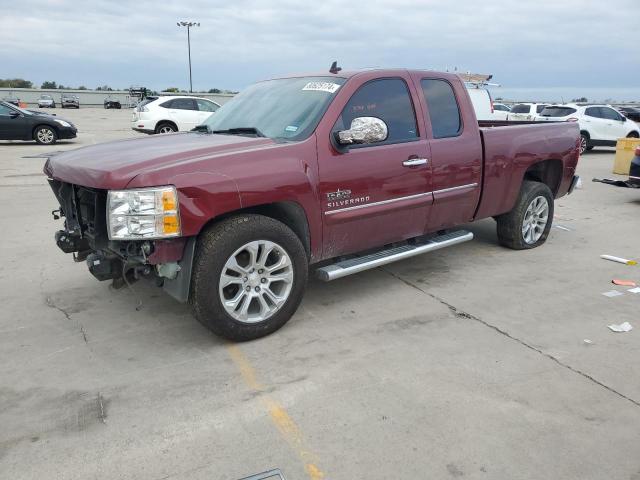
[(189, 25)]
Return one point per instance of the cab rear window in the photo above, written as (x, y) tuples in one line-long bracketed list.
[(557, 111)]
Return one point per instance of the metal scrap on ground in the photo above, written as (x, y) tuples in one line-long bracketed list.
[(623, 327)]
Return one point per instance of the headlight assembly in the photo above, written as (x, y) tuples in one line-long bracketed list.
[(63, 123), (143, 214)]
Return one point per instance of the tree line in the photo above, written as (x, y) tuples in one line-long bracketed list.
[(50, 85)]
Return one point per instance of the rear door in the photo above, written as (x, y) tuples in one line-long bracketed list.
[(184, 113), (456, 151), (379, 193)]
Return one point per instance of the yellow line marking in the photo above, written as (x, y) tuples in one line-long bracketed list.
[(279, 416)]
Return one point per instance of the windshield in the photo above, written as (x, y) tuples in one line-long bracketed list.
[(287, 108)]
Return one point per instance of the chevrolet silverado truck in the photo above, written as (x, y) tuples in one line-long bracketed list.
[(333, 173)]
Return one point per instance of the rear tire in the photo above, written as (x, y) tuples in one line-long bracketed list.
[(584, 143), (633, 135), (45, 135), (528, 224), (166, 127), (242, 295)]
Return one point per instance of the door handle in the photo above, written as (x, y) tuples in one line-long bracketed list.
[(414, 162)]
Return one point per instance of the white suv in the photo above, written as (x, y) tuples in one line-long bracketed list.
[(600, 125), (171, 114), (525, 112)]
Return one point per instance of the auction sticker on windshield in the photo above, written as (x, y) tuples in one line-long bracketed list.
[(328, 87)]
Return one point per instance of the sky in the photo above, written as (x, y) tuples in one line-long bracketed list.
[(534, 48)]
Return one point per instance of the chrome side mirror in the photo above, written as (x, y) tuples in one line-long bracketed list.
[(364, 130)]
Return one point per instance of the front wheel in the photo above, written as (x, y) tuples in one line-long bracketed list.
[(249, 276), (166, 128), (45, 135), (528, 224)]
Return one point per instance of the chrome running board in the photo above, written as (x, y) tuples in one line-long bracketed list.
[(393, 254)]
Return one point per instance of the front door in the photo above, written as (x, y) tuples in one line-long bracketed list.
[(596, 124), (12, 127), (378, 193), (615, 126)]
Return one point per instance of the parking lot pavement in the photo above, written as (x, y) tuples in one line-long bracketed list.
[(470, 361)]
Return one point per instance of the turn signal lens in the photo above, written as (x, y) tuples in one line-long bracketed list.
[(572, 119), (143, 214)]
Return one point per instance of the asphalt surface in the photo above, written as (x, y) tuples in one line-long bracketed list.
[(470, 362)]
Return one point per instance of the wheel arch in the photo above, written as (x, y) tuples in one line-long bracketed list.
[(161, 122), (291, 213), (548, 172)]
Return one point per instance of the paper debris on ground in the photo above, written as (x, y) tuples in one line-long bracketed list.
[(562, 227), (623, 327), (623, 283), (587, 341), (619, 259), (612, 293), (579, 184), (634, 290)]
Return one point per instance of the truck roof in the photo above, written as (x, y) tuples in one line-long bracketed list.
[(382, 72)]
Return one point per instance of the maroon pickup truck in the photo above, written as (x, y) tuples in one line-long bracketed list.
[(335, 172)]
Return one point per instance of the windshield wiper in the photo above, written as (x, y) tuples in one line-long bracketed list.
[(241, 131)]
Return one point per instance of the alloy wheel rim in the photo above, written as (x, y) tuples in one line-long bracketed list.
[(166, 130), (256, 281), (45, 135), (535, 220), (583, 144)]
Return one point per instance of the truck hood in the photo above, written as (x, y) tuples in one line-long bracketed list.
[(113, 165)]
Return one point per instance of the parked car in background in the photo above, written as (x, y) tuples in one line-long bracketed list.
[(110, 102), (46, 101), (523, 112), (171, 114), (332, 173), (632, 113), (600, 125), (69, 101), (20, 124), (483, 104), (501, 107), (12, 100)]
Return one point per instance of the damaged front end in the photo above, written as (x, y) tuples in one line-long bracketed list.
[(125, 235)]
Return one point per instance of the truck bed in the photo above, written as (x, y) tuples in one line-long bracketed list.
[(509, 148)]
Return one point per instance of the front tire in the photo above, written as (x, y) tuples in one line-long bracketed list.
[(528, 224), (45, 135), (249, 276)]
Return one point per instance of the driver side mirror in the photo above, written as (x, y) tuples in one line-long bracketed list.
[(624, 119), (363, 130), (14, 114)]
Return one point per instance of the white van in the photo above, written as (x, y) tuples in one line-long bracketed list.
[(483, 103)]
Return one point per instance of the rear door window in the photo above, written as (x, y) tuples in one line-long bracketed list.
[(443, 108), (387, 99), (183, 104), (593, 112), (520, 108)]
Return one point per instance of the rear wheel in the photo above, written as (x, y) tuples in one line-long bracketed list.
[(45, 135), (528, 224), (249, 276), (584, 143), (166, 128)]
